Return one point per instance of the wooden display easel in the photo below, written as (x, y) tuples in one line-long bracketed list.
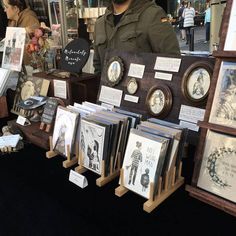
[(3, 107), (103, 180), (170, 185), (67, 163), (193, 190)]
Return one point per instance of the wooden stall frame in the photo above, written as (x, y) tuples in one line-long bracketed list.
[(194, 191), (164, 189), (70, 160)]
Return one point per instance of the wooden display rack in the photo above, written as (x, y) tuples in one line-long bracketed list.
[(193, 190), (170, 185), (103, 180), (69, 161)]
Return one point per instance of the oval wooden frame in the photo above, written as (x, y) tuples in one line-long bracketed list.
[(119, 60), (130, 81), (204, 65), (167, 103)]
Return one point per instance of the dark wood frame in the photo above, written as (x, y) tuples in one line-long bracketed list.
[(167, 102), (195, 66), (194, 191), (130, 81), (121, 64)]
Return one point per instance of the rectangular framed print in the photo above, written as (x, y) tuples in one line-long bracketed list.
[(218, 168), (14, 48), (223, 110)]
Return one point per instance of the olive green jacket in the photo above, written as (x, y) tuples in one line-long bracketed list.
[(142, 28)]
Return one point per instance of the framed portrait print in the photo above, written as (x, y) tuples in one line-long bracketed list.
[(196, 82), (223, 111), (114, 71), (132, 86), (159, 101)]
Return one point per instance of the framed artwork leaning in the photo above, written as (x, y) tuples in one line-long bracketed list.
[(196, 82), (14, 48), (159, 101), (114, 71), (218, 167), (223, 111)]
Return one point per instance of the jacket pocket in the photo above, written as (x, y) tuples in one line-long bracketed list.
[(129, 36)]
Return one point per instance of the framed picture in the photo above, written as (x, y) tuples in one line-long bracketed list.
[(132, 86), (114, 71), (159, 101), (196, 82), (223, 111), (14, 48), (218, 167)]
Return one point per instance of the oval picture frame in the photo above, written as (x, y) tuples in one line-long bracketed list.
[(196, 82), (159, 101), (114, 71), (132, 86)]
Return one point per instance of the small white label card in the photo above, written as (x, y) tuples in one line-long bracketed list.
[(136, 70), (189, 125), (131, 98), (22, 121), (167, 64), (111, 96), (60, 89), (191, 114), (163, 76), (108, 106), (9, 140), (78, 179)]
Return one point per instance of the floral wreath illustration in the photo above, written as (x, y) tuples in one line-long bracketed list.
[(212, 163)]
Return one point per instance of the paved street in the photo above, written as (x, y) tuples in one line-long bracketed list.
[(199, 38)]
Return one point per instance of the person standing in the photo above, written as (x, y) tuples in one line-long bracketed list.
[(207, 22), (133, 26), (181, 20), (188, 14)]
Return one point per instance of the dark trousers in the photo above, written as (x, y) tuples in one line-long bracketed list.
[(188, 34), (208, 25)]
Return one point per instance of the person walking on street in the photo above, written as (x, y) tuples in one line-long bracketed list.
[(181, 20), (188, 15), (207, 22)]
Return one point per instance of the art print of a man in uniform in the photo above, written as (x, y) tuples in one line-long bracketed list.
[(157, 102), (198, 89), (136, 158)]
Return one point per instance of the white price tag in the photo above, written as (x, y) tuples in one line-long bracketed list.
[(22, 121), (78, 179)]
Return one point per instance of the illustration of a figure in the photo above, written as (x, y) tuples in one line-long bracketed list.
[(157, 102), (7, 52), (82, 143), (90, 153), (60, 143), (95, 156), (198, 85), (114, 72), (136, 158), (145, 180), (227, 106)]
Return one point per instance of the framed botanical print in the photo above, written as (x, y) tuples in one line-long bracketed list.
[(132, 86), (223, 110), (196, 82), (114, 71), (218, 167), (159, 101)]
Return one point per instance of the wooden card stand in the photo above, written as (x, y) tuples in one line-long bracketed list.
[(3, 107), (164, 189), (45, 127), (67, 163), (103, 180)]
